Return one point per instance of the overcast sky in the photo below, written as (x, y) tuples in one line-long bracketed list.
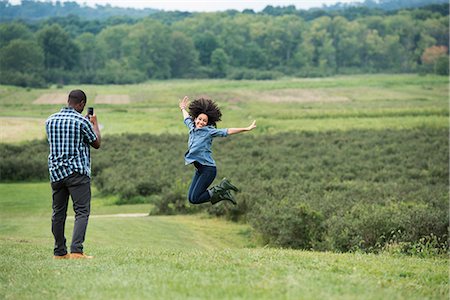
[(206, 5)]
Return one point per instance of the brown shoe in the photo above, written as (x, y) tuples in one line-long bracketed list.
[(66, 256), (79, 256)]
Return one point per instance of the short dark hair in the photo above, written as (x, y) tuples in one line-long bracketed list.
[(207, 107), (77, 96)]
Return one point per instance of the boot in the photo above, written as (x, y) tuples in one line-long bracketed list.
[(220, 194), (226, 184)]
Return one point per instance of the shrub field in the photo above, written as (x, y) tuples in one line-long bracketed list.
[(338, 190), (348, 163)]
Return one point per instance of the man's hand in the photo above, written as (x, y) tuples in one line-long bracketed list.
[(97, 142), (93, 119)]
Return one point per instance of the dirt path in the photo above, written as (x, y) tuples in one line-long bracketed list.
[(131, 215)]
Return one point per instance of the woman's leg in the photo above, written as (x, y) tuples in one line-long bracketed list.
[(204, 176), (195, 178)]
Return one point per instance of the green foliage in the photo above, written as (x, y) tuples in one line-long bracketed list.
[(343, 191), (205, 43), (374, 227), (28, 80), (442, 65), (288, 223), (24, 162), (279, 40), (60, 52), (167, 251), (22, 63), (219, 62), (38, 10), (173, 201), (184, 59), (13, 31), (426, 247)]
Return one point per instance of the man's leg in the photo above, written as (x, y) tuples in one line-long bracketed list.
[(80, 190), (60, 200)]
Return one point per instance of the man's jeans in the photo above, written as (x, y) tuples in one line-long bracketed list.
[(203, 177), (79, 187)]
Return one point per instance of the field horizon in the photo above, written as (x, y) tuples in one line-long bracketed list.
[(376, 102)]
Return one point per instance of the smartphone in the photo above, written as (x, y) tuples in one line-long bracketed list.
[(90, 111)]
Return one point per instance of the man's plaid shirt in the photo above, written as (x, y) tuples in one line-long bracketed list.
[(69, 135)]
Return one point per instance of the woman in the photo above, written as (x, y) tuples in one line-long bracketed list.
[(201, 120)]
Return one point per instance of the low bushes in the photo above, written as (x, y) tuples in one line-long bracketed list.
[(355, 190), (24, 162)]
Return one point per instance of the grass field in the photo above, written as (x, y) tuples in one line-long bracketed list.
[(345, 102), (187, 257), (198, 257)]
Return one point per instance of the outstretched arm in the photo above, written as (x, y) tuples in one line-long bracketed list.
[(183, 104), (239, 130)]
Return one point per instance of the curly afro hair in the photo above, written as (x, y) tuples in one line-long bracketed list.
[(207, 107)]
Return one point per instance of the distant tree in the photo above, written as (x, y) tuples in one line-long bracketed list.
[(281, 39), (372, 51), (22, 63), (323, 56), (91, 57), (219, 63), (60, 51), (113, 41), (184, 59), (248, 11), (279, 10), (255, 57), (205, 43), (22, 56), (151, 48), (12, 31), (347, 37), (436, 59), (406, 29)]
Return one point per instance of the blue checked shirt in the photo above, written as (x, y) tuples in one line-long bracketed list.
[(69, 135), (200, 142)]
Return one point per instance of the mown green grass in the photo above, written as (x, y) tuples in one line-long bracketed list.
[(187, 257), (365, 101), (197, 257)]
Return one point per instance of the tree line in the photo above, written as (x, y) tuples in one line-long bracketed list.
[(33, 10), (226, 44)]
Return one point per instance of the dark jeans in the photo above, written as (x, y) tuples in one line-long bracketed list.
[(79, 187), (203, 177)]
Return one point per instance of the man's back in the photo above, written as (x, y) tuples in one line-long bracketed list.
[(69, 135)]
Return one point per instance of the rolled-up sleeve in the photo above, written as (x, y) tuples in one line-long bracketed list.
[(222, 132), (189, 123), (88, 132)]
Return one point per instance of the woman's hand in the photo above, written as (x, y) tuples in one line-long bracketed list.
[(239, 130), (184, 103), (252, 126)]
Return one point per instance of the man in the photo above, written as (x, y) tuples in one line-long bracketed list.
[(69, 135)]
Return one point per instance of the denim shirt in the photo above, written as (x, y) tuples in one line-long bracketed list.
[(200, 142)]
